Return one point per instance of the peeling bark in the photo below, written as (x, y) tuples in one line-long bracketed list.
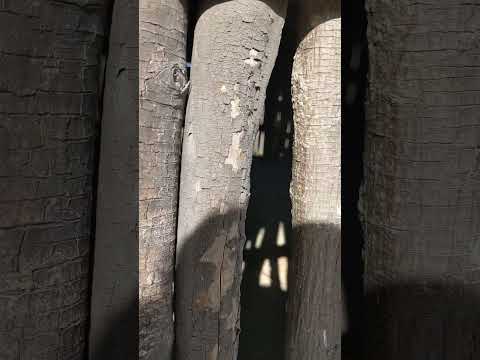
[(163, 30), (50, 64), (235, 47), (421, 195), (314, 300)]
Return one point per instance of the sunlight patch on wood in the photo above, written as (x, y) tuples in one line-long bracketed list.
[(260, 237), (259, 144), (282, 263), (281, 235), (265, 278)]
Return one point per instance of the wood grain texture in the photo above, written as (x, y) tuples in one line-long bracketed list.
[(421, 195), (50, 66), (163, 31), (234, 50), (314, 300)]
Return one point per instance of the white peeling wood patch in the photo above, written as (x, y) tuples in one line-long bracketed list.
[(235, 152), (235, 103)]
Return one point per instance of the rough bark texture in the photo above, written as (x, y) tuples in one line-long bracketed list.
[(114, 313), (235, 47), (421, 195), (314, 303), (50, 66), (163, 27)]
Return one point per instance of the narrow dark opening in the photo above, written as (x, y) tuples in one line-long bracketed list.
[(354, 70), (268, 224), (192, 10), (96, 159), (192, 21)]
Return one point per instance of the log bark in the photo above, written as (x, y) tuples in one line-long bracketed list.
[(420, 198), (114, 308), (163, 30), (50, 60), (314, 299), (234, 50)]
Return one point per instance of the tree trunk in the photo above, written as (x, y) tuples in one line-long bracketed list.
[(50, 56), (163, 30), (235, 46), (114, 312), (314, 301), (421, 195)]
